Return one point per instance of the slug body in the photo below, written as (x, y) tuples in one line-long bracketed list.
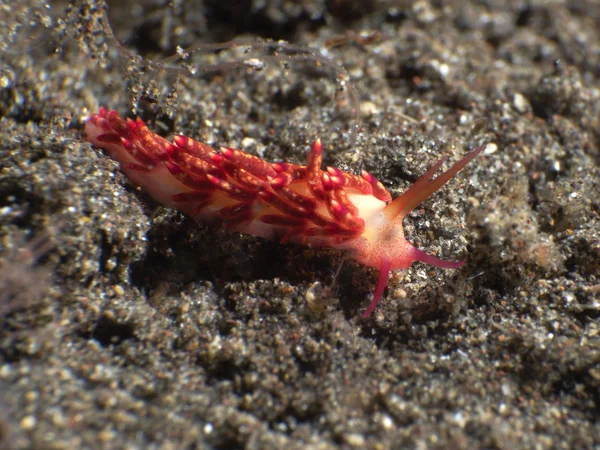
[(302, 204)]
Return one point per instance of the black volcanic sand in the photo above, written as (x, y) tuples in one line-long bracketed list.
[(127, 325)]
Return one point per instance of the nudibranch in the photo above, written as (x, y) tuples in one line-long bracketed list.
[(290, 202)]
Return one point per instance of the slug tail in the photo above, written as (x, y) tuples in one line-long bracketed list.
[(424, 187)]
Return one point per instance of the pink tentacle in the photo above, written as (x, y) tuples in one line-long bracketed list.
[(433, 261), (384, 273)]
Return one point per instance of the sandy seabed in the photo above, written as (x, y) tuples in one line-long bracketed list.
[(124, 325)]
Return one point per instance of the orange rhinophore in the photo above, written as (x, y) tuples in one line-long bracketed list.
[(302, 204)]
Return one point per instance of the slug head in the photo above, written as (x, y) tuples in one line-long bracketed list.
[(383, 245)]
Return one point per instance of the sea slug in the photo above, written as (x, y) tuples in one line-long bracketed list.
[(302, 204)]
